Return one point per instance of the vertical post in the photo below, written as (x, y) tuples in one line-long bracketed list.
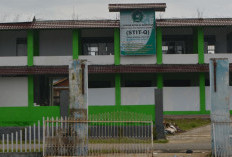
[(76, 43), (116, 46), (30, 62), (16, 141), (220, 111), (12, 142), (7, 142), (30, 47), (25, 142), (44, 126), (117, 89), (202, 92), (159, 53), (198, 45), (159, 114), (38, 135), (21, 141), (3, 143), (78, 86), (29, 138), (159, 80), (34, 132)]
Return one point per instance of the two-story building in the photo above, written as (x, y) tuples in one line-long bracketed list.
[(34, 59)]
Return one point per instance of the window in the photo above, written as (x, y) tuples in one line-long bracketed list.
[(138, 83), (99, 46), (177, 83), (21, 47), (177, 44), (210, 41)]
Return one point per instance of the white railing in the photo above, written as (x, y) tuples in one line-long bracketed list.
[(113, 133)]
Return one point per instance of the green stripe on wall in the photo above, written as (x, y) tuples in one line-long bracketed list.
[(159, 54), (159, 80), (30, 47), (76, 43), (116, 46), (202, 92)]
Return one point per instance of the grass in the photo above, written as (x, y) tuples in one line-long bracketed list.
[(188, 124)]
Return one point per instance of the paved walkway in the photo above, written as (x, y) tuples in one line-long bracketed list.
[(198, 140)]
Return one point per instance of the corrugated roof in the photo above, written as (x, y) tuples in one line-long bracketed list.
[(70, 24), (153, 6)]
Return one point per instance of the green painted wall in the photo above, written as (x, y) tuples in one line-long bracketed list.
[(76, 43), (116, 46), (30, 47), (21, 116), (202, 92), (145, 109), (198, 43)]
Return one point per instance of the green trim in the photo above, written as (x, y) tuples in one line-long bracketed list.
[(202, 92), (76, 43), (116, 46), (198, 43), (30, 91), (159, 55), (117, 90), (30, 47), (186, 113), (24, 116), (159, 80)]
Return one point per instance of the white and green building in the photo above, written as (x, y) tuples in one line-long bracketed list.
[(34, 59)]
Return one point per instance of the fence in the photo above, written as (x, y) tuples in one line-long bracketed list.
[(109, 133), (222, 139), (24, 140)]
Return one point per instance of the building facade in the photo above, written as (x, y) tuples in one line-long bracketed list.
[(34, 59)]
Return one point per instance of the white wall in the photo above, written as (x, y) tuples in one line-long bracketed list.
[(8, 42), (52, 60), (13, 91), (102, 60), (101, 96), (149, 59), (13, 61), (181, 99), (208, 56), (137, 95), (55, 43), (180, 58)]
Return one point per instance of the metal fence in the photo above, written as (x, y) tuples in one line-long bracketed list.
[(108, 134), (24, 140), (221, 139), (116, 133)]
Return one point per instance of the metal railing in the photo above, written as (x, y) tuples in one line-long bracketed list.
[(27, 139), (105, 137)]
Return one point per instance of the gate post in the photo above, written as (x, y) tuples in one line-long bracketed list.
[(220, 111), (78, 107)]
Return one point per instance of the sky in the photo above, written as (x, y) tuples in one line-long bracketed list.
[(25, 10)]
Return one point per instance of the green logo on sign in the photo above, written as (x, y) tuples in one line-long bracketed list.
[(137, 16)]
